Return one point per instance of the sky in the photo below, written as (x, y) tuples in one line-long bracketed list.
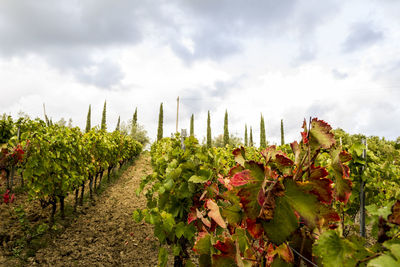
[(288, 59)]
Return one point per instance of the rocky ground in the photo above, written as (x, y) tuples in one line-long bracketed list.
[(104, 234)]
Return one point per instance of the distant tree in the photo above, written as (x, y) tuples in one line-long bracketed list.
[(88, 120), (262, 133), (226, 131), (103, 119), (160, 123), (192, 125), (62, 122), (209, 141), (70, 123), (282, 134), (118, 123), (246, 141), (134, 121), (233, 141), (251, 143)]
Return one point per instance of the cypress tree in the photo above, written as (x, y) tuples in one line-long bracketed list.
[(88, 122), (251, 137), (209, 131), (160, 123), (134, 121), (192, 125), (262, 133), (119, 120), (282, 134), (246, 143), (103, 119), (226, 131)]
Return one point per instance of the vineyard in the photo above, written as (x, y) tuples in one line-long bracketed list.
[(325, 200), (276, 206)]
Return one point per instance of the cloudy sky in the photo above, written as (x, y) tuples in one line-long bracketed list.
[(287, 59)]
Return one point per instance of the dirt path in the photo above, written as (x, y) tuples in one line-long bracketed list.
[(107, 235)]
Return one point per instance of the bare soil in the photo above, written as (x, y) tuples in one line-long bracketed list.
[(104, 234)]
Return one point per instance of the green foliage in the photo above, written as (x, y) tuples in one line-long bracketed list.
[(192, 125), (282, 134), (209, 138), (103, 118), (88, 120), (263, 142), (251, 143), (226, 131), (234, 141), (160, 123), (246, 141)]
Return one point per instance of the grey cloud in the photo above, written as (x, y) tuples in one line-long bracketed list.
[(362, 35), (104, 74), (339, 74)]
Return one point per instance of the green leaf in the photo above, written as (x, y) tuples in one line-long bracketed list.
[(168, 221), (137, 215), (305, 204), (283, 224), (176, 250), (383, 261), (180, 229), (203, 243), (320, 134), (162, 257), (335, 251), (198, 179)]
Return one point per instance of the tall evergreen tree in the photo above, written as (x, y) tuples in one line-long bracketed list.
[(103, 119), (209, 131), (118, 123), (192, 125), (282, 134), (262, 133), (246, 143), (251, 143), (226, 131), (134, 121), (160, 123), (88, 120)]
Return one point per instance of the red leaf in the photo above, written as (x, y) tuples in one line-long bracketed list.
[(192, 215), (241, 178), (282, 159), (255, 229), (215, 214), (344, 156), (341, 173), (395, 216), (226, 247), (6, 196)]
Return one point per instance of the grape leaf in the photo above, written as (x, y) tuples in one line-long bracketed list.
[(341, 173), (320, 134), (215, 214), (395, 216), (283, 224), (203, 243)]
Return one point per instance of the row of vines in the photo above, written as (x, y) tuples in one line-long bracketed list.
[(54, 161), (293, 205)]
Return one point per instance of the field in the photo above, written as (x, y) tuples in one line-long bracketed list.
[(95, 199)]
